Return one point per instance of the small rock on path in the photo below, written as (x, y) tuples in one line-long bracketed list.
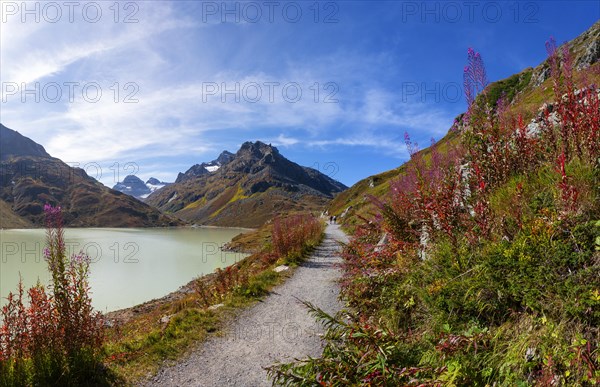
[(278, 329)]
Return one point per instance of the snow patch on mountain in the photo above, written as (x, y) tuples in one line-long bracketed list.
[(205, 168)]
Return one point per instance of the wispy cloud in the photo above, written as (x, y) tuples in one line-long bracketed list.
[(35, 50), (158, 77)]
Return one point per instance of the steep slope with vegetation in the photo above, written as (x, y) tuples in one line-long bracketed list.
[(255, 185), (480, 264), (524, 93)]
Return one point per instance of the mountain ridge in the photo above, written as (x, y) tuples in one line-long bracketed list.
[(15, 144), (205, 167), (31, 178)]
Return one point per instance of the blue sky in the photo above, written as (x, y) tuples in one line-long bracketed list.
[(154, 87)]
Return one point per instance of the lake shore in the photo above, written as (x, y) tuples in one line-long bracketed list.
[(277, 329), (123, 316), (129, 266)]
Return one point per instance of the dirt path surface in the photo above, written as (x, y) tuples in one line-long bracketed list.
[(276, 329)]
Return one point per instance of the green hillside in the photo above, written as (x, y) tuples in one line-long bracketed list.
[(477, 263), (526, 92)]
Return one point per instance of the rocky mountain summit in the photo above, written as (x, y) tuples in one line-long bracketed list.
[(247, 189), (134, 186), (205, 168)]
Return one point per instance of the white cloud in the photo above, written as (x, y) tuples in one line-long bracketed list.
[(171, 59), (283, 140), (32, 51)]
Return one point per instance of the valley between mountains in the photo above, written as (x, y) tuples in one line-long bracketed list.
[(245, 189)]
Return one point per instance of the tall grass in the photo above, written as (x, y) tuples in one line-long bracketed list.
[(291, 233)]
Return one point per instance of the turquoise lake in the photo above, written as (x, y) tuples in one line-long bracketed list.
[(129, 266)]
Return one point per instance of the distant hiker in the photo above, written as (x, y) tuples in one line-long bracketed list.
[(334, 219), (331, 219)]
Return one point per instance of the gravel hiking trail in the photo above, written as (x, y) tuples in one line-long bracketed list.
[(277, 329)]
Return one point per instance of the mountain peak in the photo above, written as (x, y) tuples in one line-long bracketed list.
[(255, 185), (14, 144), (132, 179), (258, 146), (251, 152), (205, 168), (225, 157), (154, 181), (134, 186)]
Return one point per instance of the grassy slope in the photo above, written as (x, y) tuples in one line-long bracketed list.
[(378, 186), (252, 241), (525, 96), (9, 219), (526, 101)]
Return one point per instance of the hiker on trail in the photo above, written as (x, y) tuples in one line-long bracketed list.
[(331, 219), (334, 219)]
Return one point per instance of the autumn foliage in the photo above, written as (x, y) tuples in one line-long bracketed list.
[(52, 336), (292, 236), (481, 265), (291, 233)]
